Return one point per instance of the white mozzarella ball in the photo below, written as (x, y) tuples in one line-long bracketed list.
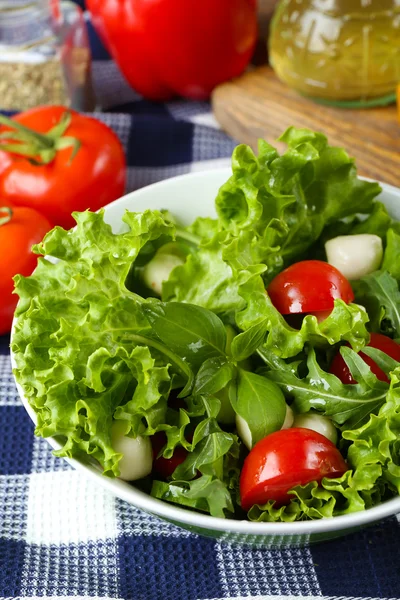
[(159, 269), (318, 423), (355, 255), (289, 418), (244, 432), (137, 460)]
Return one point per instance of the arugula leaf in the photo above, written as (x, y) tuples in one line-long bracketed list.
[(379, 293), (324, 392), (384, 361)]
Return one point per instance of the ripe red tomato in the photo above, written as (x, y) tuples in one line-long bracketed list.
[(166, 466), (20, 228), (382, 342), (91, 179), (309, 286), (285, 459)]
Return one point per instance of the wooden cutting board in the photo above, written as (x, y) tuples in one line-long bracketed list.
[(258, 105)]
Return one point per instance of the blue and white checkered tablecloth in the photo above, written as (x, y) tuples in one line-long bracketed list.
[(62, 536)]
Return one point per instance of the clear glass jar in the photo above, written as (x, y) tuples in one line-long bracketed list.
[(44, 55), (341, 52)]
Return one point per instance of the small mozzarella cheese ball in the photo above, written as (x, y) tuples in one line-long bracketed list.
[(289, 418), (137, 460), (244, 432), (355, 255), (318, 423), (159, 268)]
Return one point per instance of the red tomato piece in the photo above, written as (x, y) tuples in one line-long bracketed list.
[(166, 466), (285, 459), (20, 229), (309, 286), (379, 341)]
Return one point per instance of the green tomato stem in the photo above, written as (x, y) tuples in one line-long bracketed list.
[(7, 218), (32, 144)]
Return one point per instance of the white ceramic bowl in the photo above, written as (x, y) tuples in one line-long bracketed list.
[(189, 196)]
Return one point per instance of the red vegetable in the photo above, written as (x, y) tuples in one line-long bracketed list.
[(382, 342), (166, 466), (20, 228), (285, 459), (177, 47), (78, 164), (310, 286)]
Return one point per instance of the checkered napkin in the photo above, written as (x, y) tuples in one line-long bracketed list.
[(61, 535)]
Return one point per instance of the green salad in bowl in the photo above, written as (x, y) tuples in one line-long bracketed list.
[(242, 364)]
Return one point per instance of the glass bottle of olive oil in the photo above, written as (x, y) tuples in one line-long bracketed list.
[(341, 52)]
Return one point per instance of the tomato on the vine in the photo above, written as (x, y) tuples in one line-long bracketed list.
[(378, 340), (59, 161), (284, 460), (309, 286), (20, 228)]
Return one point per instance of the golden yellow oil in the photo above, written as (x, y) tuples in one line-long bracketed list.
[(339, 51)]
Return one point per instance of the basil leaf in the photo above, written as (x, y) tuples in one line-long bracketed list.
[(214, 374), (260, 403), (192, 332), (245, 344)]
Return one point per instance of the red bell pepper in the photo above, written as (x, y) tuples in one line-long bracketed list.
[(177, 47)]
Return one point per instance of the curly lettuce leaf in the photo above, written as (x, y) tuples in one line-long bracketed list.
[(270, 213), (347, 322), (205, 280), (285, 202), (81, 339)]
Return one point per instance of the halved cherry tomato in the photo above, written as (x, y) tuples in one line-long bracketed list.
[(166, 466), (20, 228), (309, 286), (285, 459), (379, 341)]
